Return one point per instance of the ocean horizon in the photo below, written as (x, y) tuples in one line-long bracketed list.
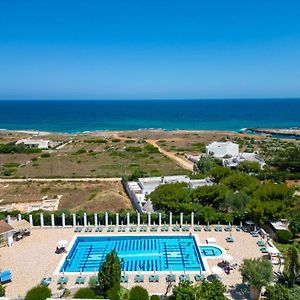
[(77, 116)]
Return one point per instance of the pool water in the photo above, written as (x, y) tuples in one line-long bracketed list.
[(144, 253), (210, 251)]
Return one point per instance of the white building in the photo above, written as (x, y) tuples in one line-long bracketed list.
[(235, 161), (138, 191), (221, 149), (39, 144)]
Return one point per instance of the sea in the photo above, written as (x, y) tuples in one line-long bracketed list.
[(77, 116)]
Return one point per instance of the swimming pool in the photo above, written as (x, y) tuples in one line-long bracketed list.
[(137, 253), (210, 251)]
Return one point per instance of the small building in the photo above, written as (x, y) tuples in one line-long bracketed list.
[(222, 149), (37, 144), (6, 234)]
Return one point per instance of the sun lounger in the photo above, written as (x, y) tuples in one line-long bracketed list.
[(263, 250), (80, 279), (229, 239), (143, 229), (139, 278), (199, 277), (197, 228), (110, 229), (184, 277), (238, 228), (228, 228), (124, 278), (153, 229), (46, 281), (5, 277), (132, 229), (171, 278), (78, 229), (261, 243), (218, 228), (98, 229), (153, 278), (207, 228), (185, 228), (62, 280)]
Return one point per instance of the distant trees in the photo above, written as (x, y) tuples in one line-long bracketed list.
[(288, 160), (258, 273), (249, 167)]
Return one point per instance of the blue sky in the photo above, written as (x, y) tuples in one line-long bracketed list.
[(139, 49)]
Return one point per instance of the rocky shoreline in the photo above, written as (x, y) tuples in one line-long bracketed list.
[(277, 131)]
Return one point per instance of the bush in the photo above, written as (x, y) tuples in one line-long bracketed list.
[(138, 293), (45, 155), (154, 297), (2, 291), (85, 293), (284, 236), (40, 292)]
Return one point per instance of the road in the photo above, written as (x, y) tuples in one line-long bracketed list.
[(180, 161)]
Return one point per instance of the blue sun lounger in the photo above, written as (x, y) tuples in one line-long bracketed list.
[(5, 277)]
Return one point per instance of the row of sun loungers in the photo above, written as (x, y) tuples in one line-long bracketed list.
[(163, 229)]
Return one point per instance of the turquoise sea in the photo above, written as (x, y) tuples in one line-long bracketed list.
[(89, 115)]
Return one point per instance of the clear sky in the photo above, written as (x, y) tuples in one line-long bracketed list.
[(132, 49)]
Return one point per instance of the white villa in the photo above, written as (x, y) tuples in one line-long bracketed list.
[(230, 155), (138, 191), (32, 143)]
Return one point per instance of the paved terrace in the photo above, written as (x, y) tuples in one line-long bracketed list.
[(33, 258)]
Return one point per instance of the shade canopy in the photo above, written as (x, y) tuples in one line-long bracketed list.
[(227, 257), (62, 243)]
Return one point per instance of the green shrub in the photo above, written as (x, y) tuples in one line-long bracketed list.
[(133, 149), (85, 293), (138, 293), (284, 236), (151, 149), (2, 291), (40, 292), (97, 141), (80, 151), (154, 297), (115, 140), (45, 155)]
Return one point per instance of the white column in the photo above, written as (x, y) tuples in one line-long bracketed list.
[(52, 220), (170, 218), (74, 220), (128, 219), (8, 219), (138, 219), (19, 217), (84, 220), (117, 219), (192, 219), (149, 218), (159, 219), (30, 220), (42, 219), (95, 219), (63, 220), (181, 218), (106, 219)]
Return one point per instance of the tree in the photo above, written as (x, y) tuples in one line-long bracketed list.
[(85, 293), (138, 293), (235, 201), (258, 273), (241, 182), (110, 272), (219, 173), (293, 264), (213, 290), (40, 292), (278, 292), (249, 167), (186, 291), (295, 222), (206, 164), (2, 290), (284, 236)]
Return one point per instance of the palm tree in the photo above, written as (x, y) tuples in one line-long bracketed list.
[(257, 273), (293, 264)]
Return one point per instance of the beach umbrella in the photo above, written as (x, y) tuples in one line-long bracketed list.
[(217, 270), (227, 257), (62, 243)]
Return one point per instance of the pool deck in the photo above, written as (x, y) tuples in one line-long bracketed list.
[(33, 258)]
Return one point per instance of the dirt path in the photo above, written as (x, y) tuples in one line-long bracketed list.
[(11, 180), (182, 162)]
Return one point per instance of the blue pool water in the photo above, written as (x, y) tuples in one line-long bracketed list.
[(210, 251), (147, 253)]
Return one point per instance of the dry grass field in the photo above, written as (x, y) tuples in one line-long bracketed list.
[(88, 196)]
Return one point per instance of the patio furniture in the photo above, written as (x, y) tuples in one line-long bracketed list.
[(184, 277), (228, 228), (80, 279), (185, 228), (229, 239), (5, 277), (132, 229), (261, 243), (199, 277), (98, 229), (207, 228), (153, 229), (78, 229), (238, 228), (124, 278), (264, 250), (139, 278), (218, 228), (197, 228), (62, 280), (110, 229), (153, 278), (171, 278), (46, 281)]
